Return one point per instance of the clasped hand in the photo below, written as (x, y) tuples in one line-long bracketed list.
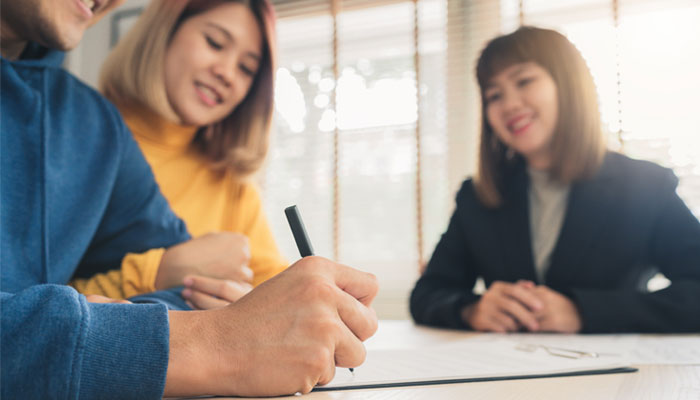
[(512, 307)]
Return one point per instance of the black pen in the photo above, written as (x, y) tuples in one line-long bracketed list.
[(300, 236)]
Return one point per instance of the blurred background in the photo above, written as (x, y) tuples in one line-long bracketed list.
[(377, 111)]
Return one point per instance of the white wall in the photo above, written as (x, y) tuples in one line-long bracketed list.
[(85, 60)]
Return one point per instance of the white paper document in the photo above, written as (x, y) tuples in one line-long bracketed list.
[(630, 349), (471, 359)]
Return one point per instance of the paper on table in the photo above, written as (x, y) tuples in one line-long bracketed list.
[(630, 349), (468, 359)]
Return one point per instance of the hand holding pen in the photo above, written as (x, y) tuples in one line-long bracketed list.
[(300, 236), (296, 327)]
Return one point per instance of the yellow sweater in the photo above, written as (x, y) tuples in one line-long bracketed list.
[(207, 201)]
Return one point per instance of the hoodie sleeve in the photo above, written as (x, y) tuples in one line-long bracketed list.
[(137, 218), (57, 345)]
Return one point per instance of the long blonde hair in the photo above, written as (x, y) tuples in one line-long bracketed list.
[(133, 74), (578, 143)]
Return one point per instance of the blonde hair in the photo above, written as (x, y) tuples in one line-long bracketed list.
[(578, 143), (133, 74)]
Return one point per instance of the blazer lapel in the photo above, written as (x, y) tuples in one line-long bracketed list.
[(589, 206), (514, 229)]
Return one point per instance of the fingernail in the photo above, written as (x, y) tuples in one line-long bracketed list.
[(186, 293), (188, 281)]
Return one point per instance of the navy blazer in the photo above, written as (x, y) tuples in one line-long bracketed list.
[(618, 225)]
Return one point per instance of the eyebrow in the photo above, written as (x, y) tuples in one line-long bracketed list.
[(517, 71), (231, 38), (489, 86), (511, 75)]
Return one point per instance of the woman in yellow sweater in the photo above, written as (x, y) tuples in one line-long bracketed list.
[(194, 82)]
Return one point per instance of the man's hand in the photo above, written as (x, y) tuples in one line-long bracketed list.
[(559, 314), (286, 336), (222, 255), (505, 307)]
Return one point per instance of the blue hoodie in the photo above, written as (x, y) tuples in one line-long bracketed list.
[(76, 195)]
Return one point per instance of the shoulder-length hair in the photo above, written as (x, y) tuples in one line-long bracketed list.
[(578, 144), (134, 74)]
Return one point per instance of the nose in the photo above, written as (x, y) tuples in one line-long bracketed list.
[(225, 70), (512, 101)]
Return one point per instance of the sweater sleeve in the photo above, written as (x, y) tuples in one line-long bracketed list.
[(266, 260), (136, 276), (57, 345), (446, 286), (675, 249)]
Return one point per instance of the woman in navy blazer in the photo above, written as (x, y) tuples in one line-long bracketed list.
[(621, 217)]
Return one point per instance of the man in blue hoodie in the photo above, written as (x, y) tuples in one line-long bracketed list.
[(77, 195)]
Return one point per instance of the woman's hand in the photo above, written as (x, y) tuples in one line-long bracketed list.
[(223, 255), (96, 298), (559, 313), (505, 307), (203, 293)]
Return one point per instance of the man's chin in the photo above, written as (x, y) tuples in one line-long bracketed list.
[(65, 42)]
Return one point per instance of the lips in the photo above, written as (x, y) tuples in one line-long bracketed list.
[(519, 123), (91, 7), (209, 95)]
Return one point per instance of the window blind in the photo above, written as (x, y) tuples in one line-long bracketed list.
[(362, 101)]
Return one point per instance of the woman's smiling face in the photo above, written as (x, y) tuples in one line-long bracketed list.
[(522, 110), (211, 63)]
